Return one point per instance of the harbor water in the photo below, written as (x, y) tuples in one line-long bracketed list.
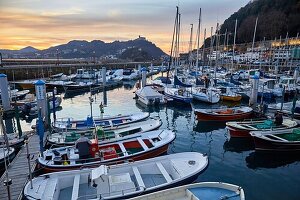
[(263, 176)]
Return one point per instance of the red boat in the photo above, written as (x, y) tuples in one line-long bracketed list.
[(227, 114), (242, 129), (130, 148)]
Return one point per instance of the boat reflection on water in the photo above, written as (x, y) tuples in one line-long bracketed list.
[(257, 160), (208, 126), (238, 145), (128, 85), (150, 109)]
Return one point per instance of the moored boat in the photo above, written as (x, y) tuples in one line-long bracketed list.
[(208, 95), (6, 155), (148, 96), (135, 147), (119, 132), (198, 191), (119, 181), (287, 140), (231, 97), (242, 129), (178, 95), (104, 122), (227, 114)]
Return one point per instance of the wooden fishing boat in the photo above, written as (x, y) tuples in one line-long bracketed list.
[(90, 122), (7, 154), (68, 138), (242, 129), (201, 191), (136, 147), (287, 140), (227, 114), (121, 181)]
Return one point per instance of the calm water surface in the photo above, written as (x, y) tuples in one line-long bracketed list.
[(263, 177)]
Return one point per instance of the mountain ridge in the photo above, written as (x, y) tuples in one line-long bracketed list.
[(94, 48)]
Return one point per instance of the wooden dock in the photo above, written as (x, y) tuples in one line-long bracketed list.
[(18, 169)]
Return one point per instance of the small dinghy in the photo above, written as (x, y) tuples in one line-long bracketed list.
[(287, 140), (104, 122), (68, 138), (7, 154), (133, 147), (242, 129), (227, 114), (231, 96), (198, 191), (119, 181)]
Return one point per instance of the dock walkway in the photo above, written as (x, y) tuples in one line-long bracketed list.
[(18, 169)]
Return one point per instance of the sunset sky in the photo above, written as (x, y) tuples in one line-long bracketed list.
[(45, 23)]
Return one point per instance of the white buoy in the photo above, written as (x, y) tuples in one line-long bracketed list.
[(40, 91), (253, 99), (104, 76), (4, 92)]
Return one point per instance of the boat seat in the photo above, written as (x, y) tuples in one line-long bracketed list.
[(138, 177), (75, 190), (123, 149), (142, 143), (151, 141), (51, 188), (164, 172)]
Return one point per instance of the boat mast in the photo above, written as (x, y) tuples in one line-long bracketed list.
[(211, 45), (253, 41), (217, 49), (198, 41), (191, 47), (233, 48), (171, 53), (203, 56), (178, 41)]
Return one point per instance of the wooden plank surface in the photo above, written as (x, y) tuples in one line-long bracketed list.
[(18, 170)]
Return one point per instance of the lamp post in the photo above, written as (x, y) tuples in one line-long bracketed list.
[(57, 57)]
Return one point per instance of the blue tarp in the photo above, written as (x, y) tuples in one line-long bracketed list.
[(179, 83)]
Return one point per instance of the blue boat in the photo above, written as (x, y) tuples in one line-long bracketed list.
[(105, 122)]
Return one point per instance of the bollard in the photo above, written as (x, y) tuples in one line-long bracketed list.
[(4, 92), (276, 69), (54, 92), (40, 91), (296, 75), (144, 76), (139, 70), (151, 68), (103, 76), (253, 99)]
